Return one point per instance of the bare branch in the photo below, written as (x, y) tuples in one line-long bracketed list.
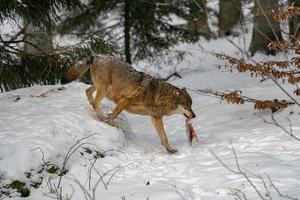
[(70, 152), (121, 167), (171, 75), (286, 196), (276, 123), (240, 172)]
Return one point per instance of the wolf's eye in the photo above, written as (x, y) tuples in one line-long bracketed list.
[(188, 103)]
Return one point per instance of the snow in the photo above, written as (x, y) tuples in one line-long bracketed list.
[(55, 122), (35, 129)]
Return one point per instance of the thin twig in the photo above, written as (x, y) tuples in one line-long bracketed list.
[(239, 171), (275, 122), (70, 152), (286, 196), (121, 167), (101, 178)]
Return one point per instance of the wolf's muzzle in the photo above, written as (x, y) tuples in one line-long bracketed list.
[(193, 115)]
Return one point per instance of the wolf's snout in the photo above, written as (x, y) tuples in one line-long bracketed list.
[(193, 115), (190, 114)]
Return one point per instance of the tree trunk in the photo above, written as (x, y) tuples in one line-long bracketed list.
[(198, 18), (230, 15), (127, 30), (294, 23), (37, 40), (265, 28)]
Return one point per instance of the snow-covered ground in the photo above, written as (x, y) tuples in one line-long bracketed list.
[(37, 132), (136, 166)]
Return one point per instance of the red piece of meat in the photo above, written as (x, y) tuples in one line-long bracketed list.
[(190, 132)]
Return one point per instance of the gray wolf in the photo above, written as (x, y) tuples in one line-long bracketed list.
[(133, 91)]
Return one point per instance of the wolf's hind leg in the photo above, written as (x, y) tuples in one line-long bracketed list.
[(120, 106), (89, 93), (159, 126)]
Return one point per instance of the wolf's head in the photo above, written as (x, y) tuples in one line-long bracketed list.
[(184, 103)]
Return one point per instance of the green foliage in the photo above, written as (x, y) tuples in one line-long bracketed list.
[(36, 184), (39, 12), (197, 8), (151, 30), (23, 186), (150, 27), (20, 187), (53, 170), (27, 70), (18, 68), (151, 34), (86, 17)]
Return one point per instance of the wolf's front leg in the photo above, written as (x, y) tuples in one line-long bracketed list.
[(120, 106), (159, 126)]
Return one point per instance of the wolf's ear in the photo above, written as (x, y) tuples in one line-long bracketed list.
[(183, 89), (177, 92)]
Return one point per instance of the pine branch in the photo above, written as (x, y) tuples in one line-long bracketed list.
[(19, 69)]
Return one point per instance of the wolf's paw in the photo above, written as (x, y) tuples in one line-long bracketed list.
[(171, 150), (112, 123), (101, 116)]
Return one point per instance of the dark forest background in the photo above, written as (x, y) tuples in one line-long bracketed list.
[(133, 30)]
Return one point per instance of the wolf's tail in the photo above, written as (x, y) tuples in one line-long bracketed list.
[(77, 71)]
